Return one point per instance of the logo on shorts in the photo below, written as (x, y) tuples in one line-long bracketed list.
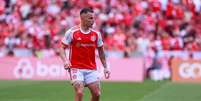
[(93, 38), (74, 76)]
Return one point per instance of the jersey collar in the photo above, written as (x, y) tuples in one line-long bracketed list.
[(84, 31)]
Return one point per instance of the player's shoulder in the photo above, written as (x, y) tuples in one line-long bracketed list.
[(73, 29), (96, 32)]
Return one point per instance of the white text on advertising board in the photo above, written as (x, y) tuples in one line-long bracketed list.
[(190, 70)]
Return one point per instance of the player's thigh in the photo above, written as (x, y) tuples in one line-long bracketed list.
[(91, 76), (95, 88), (92, 81), (77, 77), (78, 86)]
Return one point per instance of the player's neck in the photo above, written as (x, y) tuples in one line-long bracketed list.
[(84, 28)]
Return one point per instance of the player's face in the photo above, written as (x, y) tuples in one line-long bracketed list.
[(88, 19)]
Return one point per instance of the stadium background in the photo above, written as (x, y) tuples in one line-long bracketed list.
[(164, 35)]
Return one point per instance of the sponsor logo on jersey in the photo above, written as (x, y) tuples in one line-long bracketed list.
[(78, 44)]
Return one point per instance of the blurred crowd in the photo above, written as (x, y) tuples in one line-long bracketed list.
[(129, 27)]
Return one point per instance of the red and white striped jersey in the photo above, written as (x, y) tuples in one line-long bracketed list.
[(82, 47)]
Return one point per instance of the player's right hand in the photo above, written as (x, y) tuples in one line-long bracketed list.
[(67, 65)]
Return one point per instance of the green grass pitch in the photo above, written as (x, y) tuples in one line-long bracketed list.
[(111, 91)]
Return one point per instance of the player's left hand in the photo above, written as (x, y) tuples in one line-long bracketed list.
[(107, 73)]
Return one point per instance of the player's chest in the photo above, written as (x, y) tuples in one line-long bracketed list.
[(84, 38)]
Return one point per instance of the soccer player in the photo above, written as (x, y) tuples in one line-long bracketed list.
[(83, 41)]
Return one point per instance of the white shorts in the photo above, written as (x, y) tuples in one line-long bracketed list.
[(84, 75)]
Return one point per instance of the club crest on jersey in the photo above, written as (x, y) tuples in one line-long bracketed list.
[(93, 38)]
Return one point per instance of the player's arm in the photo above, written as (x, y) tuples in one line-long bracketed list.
[(65, 42), (103, 61), (63, 56), (102, 56)]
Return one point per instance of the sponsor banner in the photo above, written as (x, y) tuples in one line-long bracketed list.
[(31, 68), (186, 70)]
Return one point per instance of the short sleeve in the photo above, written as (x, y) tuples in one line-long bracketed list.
[(100, 40), (67, 37)]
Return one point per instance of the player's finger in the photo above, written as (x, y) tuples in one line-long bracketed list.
[(107, 75), (65, 66)]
